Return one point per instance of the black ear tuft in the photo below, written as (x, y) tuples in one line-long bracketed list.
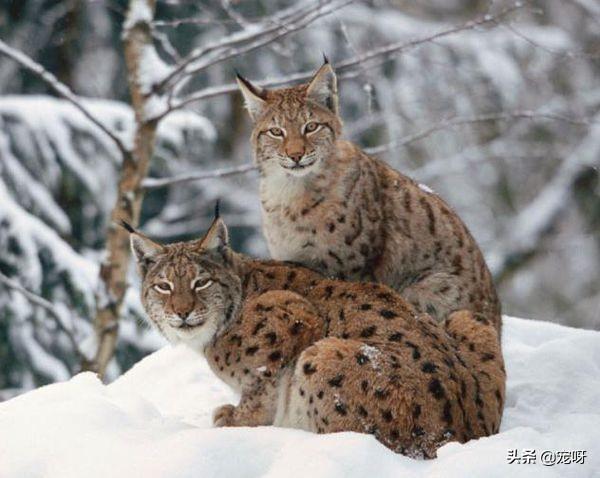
[(128, 227), (255, 97), (322, 88), (217, 212), (325, 59), (256, 91)]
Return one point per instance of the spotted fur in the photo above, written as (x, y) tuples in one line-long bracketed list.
[(325, 355), (352, 216)]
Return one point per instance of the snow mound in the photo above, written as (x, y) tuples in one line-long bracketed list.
[(155, 422)]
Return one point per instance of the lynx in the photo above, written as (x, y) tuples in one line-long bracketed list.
[(323, 355), (329, 206)]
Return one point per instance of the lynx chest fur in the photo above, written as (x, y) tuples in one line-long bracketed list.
[(322, 223)]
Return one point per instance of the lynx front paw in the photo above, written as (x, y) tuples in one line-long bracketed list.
[(223, 416)]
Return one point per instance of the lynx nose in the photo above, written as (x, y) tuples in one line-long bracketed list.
[(183, 315), (296, 157)]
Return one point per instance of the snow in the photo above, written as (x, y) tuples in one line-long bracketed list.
[(139, 12), (373, 354), (427, 189), (155, 421), (34, 234), (537, 216), (51, 154), (39, 196)]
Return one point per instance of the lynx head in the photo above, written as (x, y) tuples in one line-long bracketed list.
[(189, 289), (295, 129)]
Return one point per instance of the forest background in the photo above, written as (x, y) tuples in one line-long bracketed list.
[(113, 109)]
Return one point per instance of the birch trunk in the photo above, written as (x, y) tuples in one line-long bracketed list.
[(113, 271)]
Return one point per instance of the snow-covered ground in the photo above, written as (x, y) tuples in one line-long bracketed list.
[(155, 422)]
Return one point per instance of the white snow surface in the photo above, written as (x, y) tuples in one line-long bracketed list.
[(154, 421)]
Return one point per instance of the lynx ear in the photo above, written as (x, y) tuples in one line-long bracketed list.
[(254, 97), (144, 249), (217, 236), (322, 88)]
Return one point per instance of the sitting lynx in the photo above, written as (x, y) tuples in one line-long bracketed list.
[(323, 355), (329, 206)]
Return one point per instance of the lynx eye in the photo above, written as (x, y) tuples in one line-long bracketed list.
[(201, 284), (311, 127), (276, 132), (163, 288)]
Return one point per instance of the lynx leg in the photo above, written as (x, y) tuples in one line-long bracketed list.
[(257, 407), (412, 403), (441, 293), (479, 346), (348, 385), (435, 294), (255, 352)]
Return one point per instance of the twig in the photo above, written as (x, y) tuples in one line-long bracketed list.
[(163, 39), (241, 21), (155, 183), (552, 51), (246, 41), (48, 307), (538, 218), (590, 7), (213, 91), (399, 47), (368, 85), (228, 41), (192, 21), (61, 89), (344, 68), (411, 138)]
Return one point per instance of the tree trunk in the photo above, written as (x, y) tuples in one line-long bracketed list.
[(113, 271)]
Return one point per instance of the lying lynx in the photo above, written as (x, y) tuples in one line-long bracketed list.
[(329, 206), (323, 355)]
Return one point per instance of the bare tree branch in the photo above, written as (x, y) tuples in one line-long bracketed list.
[(241, 21), (213, 91), (562, 54), (61, 89), (238, 43), (48, 307), (538, 218), (449, 123), (346, 67), (156, 183), (163, 40), (589, 6), (192, 21), (399, 47)]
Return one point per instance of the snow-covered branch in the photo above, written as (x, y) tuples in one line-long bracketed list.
[(394, 48), (213, 91), (539, 217), (503, 116), (61, 89), (155, 183), (53, 311), (241, 21), (588, 6), (549, 50), (270, 30), (345, 68)]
